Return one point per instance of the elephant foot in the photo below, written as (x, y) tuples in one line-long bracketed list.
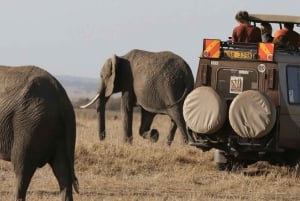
[(153, 135), (128, 140), (185, 140), (169, 142), (102, 135)]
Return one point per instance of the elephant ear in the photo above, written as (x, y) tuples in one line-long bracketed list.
[(111, 82)]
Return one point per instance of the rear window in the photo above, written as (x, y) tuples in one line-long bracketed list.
[(231, 82), (293, 79)]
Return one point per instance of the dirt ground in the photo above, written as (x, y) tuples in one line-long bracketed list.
[(111, 170)]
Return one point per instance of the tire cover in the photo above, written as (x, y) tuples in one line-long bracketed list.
[(204, 111), (252, 114)]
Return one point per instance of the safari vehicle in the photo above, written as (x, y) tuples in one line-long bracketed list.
[(246, 101)]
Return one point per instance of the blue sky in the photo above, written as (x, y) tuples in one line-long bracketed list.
[(75, 37)]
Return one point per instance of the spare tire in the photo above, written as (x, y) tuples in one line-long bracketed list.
[(204, 111), (252, 114)]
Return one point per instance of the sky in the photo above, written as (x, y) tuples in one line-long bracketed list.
[(75, 37)]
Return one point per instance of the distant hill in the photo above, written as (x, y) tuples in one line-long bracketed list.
[(79, 87)]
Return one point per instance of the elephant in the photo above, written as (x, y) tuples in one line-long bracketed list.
[(158, 82), (37, 127)]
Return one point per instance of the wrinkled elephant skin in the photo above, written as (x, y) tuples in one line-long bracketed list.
[(157, 82), (37, 126)]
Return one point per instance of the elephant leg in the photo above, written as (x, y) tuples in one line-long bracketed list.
[(101, 126), (61, 168), (146, 121), (24, 172), (172, 132), (176, 115), (127, 115)]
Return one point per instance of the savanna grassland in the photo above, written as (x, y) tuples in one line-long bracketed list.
[(111, 170)]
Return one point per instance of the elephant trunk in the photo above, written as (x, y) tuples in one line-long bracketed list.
[(101, 115)]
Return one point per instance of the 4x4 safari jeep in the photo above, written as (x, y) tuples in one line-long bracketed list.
[(246, 101)]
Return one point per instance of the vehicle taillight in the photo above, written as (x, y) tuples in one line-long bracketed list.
[(266, 51), (211, 48)]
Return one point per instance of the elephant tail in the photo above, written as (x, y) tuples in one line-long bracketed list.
[(188, 88), (70, 138), (71, 141), (66, 116)]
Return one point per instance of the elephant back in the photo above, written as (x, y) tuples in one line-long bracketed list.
[(160, 79), (16, 81)]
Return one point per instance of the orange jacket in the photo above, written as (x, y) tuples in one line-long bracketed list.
[(292, 36)]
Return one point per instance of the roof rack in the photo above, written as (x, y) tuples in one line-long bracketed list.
[(274, 18), (230, 44)]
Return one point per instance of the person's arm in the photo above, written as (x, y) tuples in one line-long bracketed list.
[(234, 35)]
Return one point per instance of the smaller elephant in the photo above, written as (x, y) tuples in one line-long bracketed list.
[(158, 82), (37, 126)]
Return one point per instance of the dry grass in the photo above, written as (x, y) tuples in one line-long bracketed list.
[(111, 170)]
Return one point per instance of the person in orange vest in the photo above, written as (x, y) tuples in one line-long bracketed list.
[(245, 32), (281, 42), (293, 38)]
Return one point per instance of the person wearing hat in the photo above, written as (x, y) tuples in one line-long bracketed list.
[(245, 32)]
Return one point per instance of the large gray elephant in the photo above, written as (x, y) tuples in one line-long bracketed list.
[(157, 82), (37, 126)]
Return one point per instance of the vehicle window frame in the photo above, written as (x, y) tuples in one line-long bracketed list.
[(288, 83), (236, 69)]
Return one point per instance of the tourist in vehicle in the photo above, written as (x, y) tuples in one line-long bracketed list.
[(245, 32), (281, 42), (266, 32), (291, 35)]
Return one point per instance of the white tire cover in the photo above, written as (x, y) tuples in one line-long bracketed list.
[(204, 111), (252, 114)]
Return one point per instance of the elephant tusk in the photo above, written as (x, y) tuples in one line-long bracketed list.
[(91, 102)]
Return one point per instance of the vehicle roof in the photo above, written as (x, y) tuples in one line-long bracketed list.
[(274, 18)]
